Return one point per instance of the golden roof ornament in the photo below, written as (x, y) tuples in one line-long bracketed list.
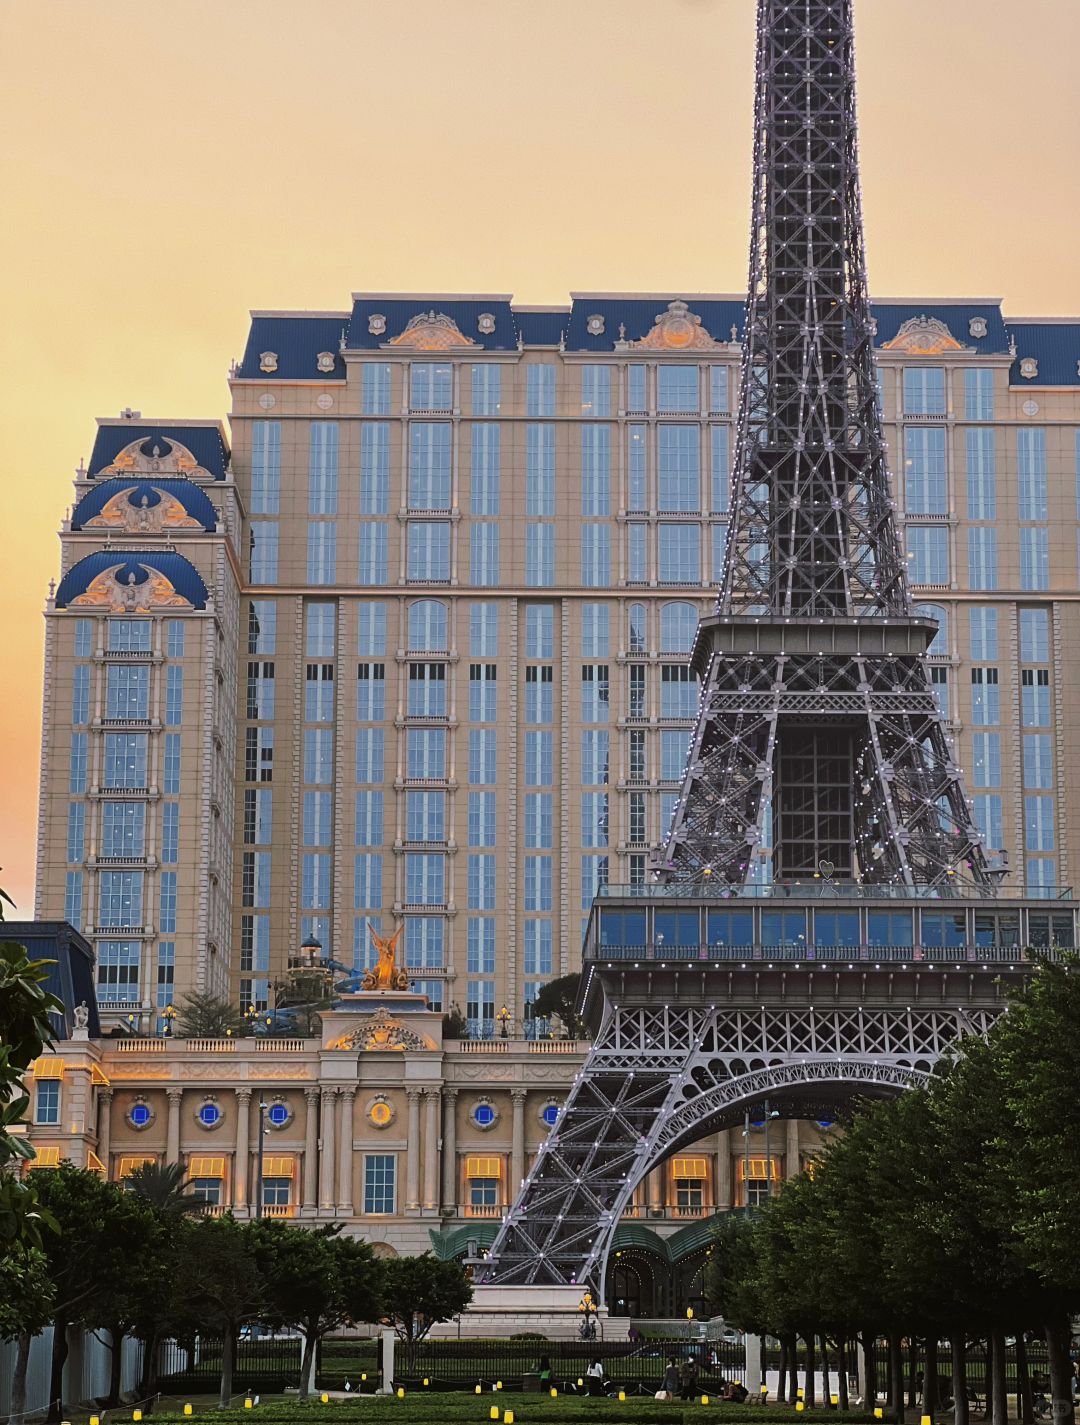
[(385, 974)]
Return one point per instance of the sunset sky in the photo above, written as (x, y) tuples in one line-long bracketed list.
[(168, 166)]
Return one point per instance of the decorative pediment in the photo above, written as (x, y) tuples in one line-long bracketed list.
[(381, 1031), (156, 456), (924, 336), (432, 331), (676, 330), (131, 595), (142, 510)]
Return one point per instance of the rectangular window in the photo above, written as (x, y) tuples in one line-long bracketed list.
[(677, 390), (486, 389), (986, 759), (594, 757), (127, 692), (120, 898), (595, 555), (480, 1008), (375, 388), (374, 555), (483, 692), (637, 499), (427, 690), (425, 752), (538, 821), (674, 744), (80, 694), (260, 691), (480, 945), (370, 692), (47, 1102), (1034, 557), (321, 552), (985, 697), (719, 390), (174, 637), (170, 763), (431, 386), (425, 879), (484, 555), (129, 635), (118, 971), (1039, 824), (637, 553), (369, 817), (425, 816), (482, 755), (720, 471), (84, 637), (258, 815), (481, 819), (379, 1184), (484, 474), (538, 759), (540, 471), (637, 401), (262, 626), (319, 692), (595, 471), (1038, 764), (125, 759), (925, 482), (537, 947), (928, 554), (424, 942), (540, 389), (255, 880), (596, 391), (1031, 469), (428, 556), (679, 554), (595, 623), (636, 833), (317, 818), (924, 390), (73, 898), (259, 754), (539, 882), (594, 874), (369, 754), (429, 465), (375, 468), (318, 755), (678, 469), (1035, 697), (323, 468), (174, 695), (539, 555), (595, 692), (539, 630), (1034, 636), (594, 818), (367, 881), (483, 630), (265, 467), (167, 903), (123, 829), (983, 634), (315, 880), (978, 394), (264, 551), (76, 830), (371, 629), (678, 691), (481, 881), (939, 682), (981, 474), (987, 812)]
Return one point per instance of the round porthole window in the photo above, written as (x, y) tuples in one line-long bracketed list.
[(484, 1114), (278, 1114), (140, 1115), (380, 1112), (550, 1114), (209, 1115)]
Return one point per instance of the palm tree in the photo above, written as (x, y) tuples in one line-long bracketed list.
[(163, 1186)]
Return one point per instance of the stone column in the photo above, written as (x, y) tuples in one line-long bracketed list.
[(412, 1157), (345, 1153), (655, 1190), (517, 1150), (431, 1148), (243, 1147), (449, 1151), (723, 1171), (104, 1127), (172, 1132), (309, 1202), (326, 1176), (791, 1160)]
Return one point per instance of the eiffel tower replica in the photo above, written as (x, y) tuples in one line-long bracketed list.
[(823, 921)]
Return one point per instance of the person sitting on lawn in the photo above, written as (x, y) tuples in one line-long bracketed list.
[(544, 1372)]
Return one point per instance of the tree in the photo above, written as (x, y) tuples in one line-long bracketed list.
[(559, 998), (222, 1285), (206, 1016), (420, 1291), (316, 1281), (26, 1304), (163, 1186)]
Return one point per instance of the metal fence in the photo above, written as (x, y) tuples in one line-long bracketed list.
[(976, 1359), (264, 1363)]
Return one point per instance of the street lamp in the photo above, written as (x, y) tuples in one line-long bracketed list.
[(689, 1323), (504, 1017), (168, 1014), (768, 1158), (259, 1159)]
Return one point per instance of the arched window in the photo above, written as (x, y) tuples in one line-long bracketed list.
[(678, 626), (427, 626), (940, 646), (636, 626)]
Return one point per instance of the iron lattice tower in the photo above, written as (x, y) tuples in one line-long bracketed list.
[(818, 734), (818, 728)]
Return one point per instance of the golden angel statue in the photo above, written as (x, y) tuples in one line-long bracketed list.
[(386, 975)]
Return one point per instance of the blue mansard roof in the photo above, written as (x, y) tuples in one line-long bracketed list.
[(115, 581), (203, 441), (97, 505), (294, 341)]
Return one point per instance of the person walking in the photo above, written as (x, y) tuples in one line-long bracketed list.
[(670, 1384), (687, 1378)]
